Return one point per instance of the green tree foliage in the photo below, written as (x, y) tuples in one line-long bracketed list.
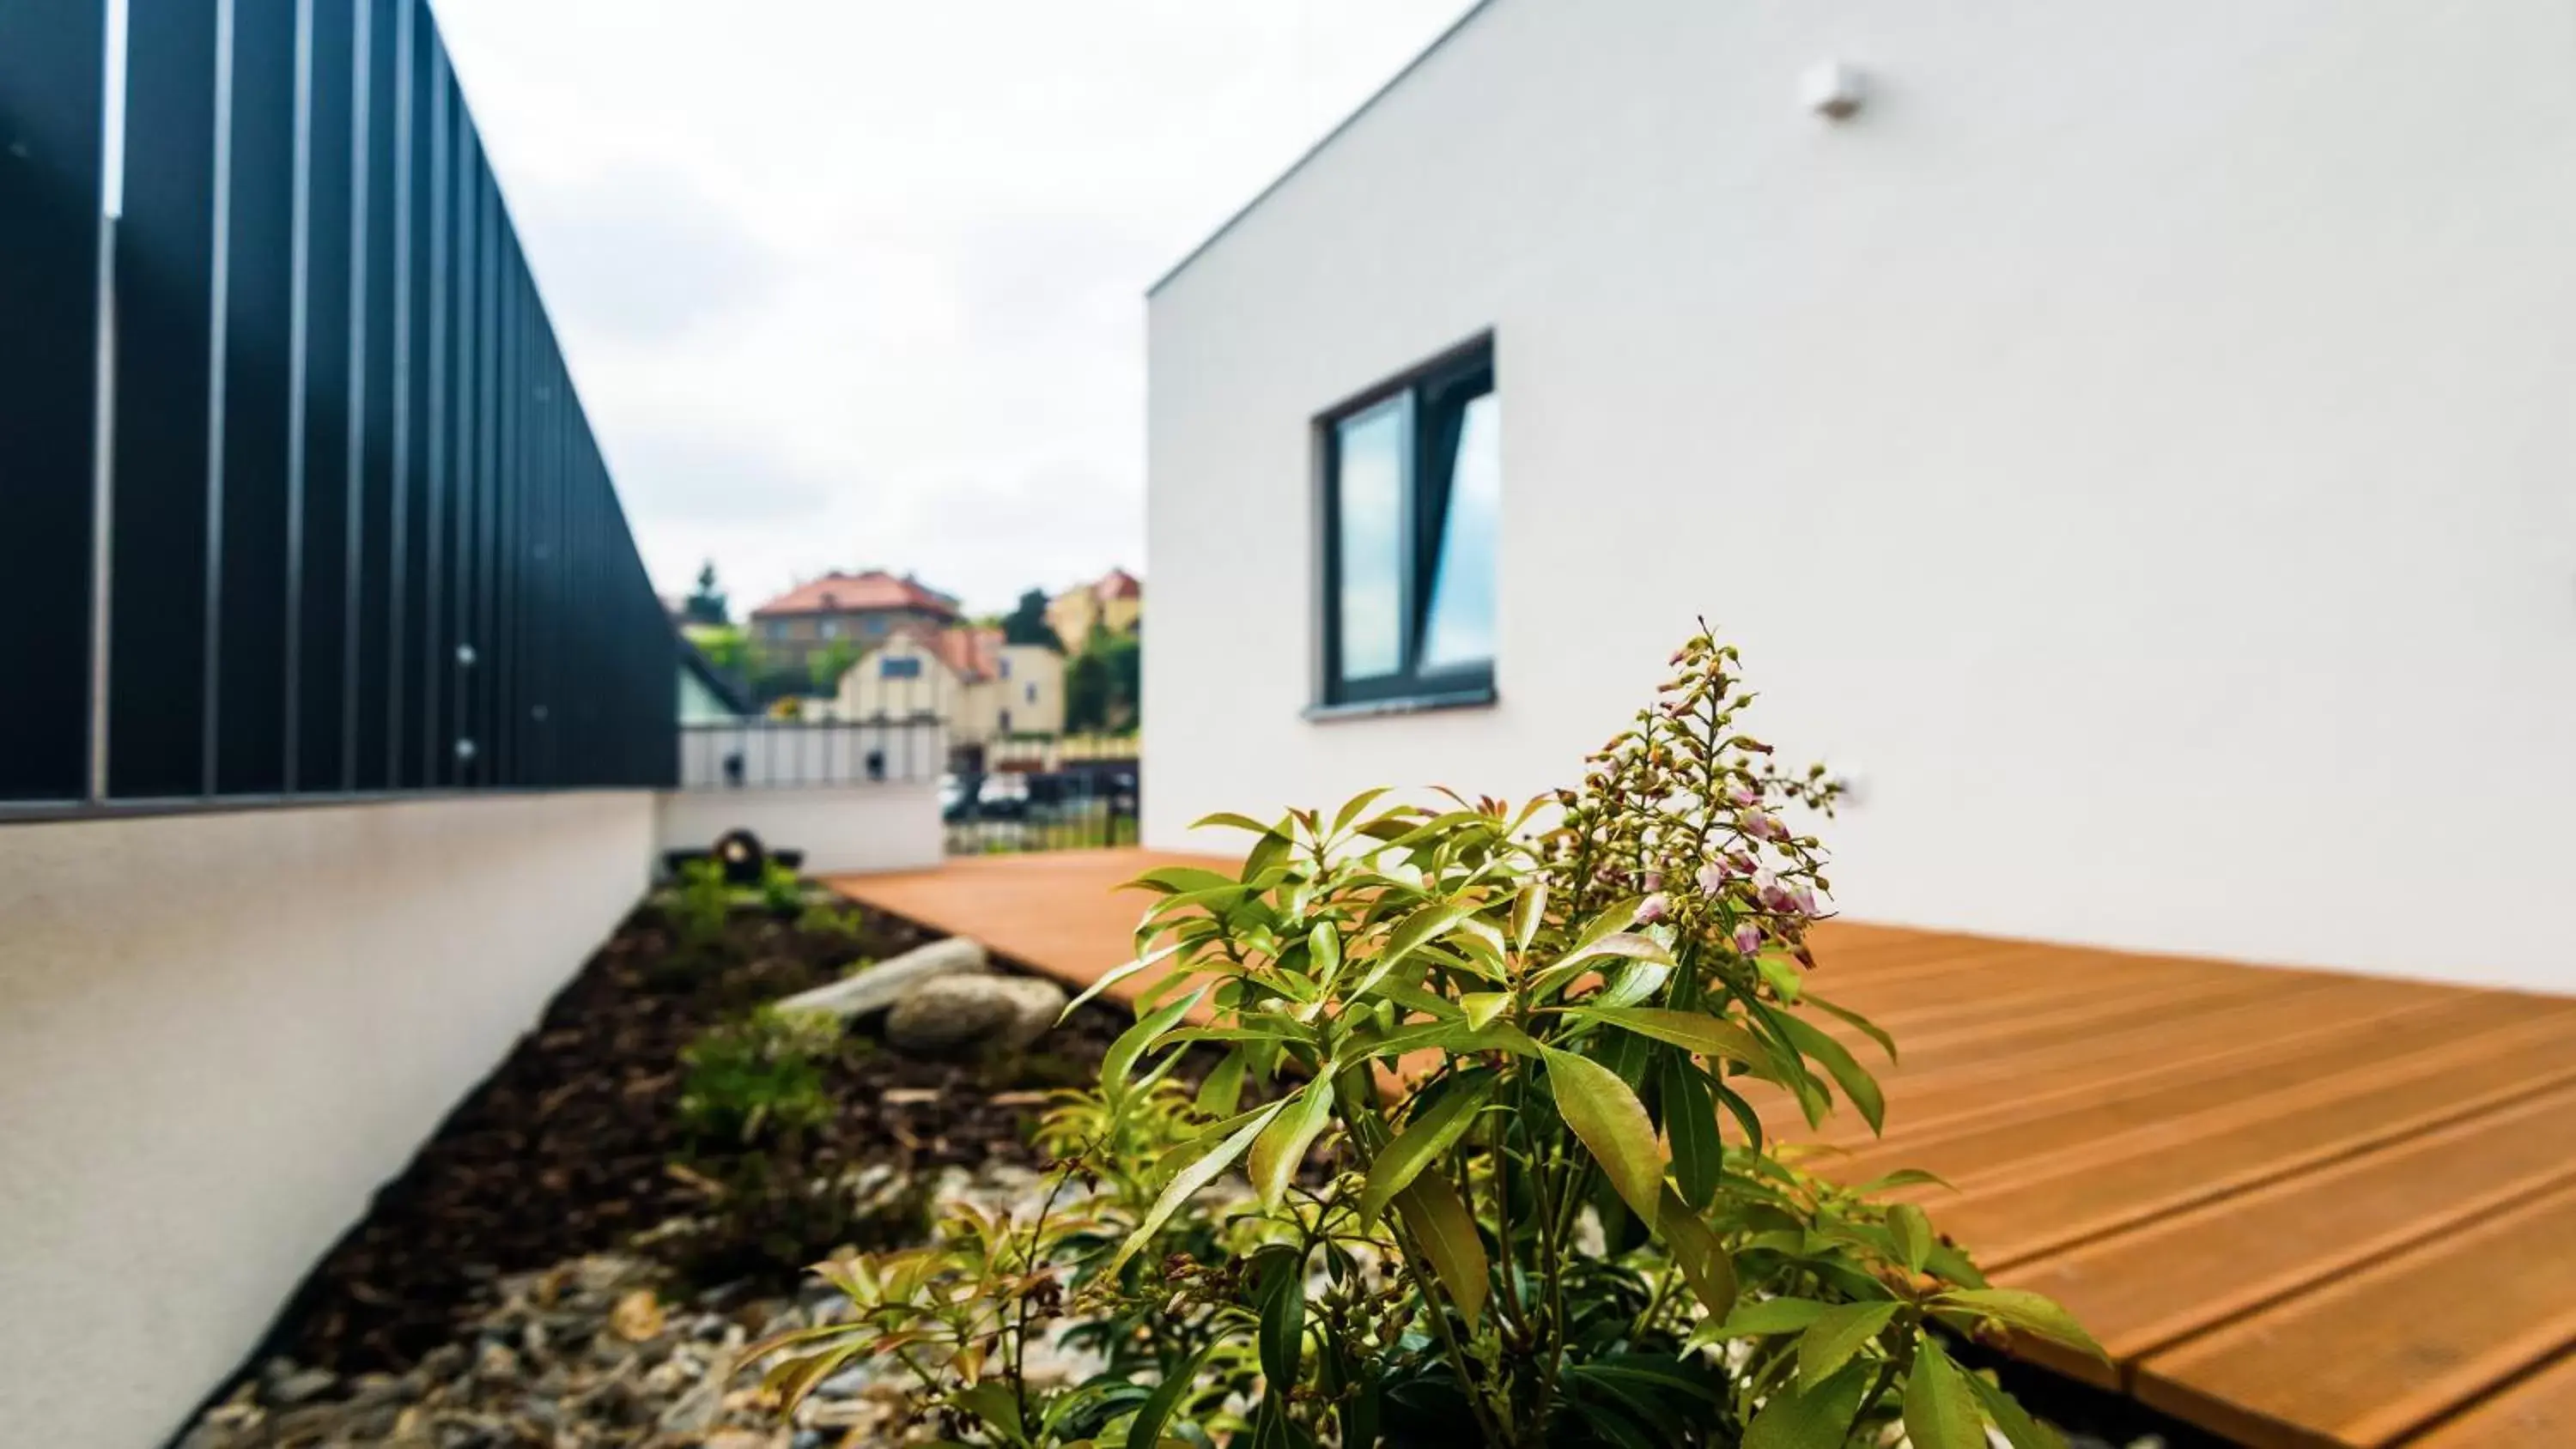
[(1027, 622), (825, 668), (706, 603), (1497, 1080), (1104, 684)]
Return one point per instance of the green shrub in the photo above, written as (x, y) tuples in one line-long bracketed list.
[(822, 918), (699, 911), (758, 1077), (1566, 1228), (782, 891)]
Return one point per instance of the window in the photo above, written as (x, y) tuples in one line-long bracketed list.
[(831, 628), (1004, 663), (902, 668), (1033, 694), (1006, 721), (873, 625), (1413, 480)]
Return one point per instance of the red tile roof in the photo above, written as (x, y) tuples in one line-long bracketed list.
[(971, 652), (1118, 584), (840, 593)]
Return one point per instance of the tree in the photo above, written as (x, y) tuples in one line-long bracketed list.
[(707, 604), (1027, 624), (831, 664), (1103, 684)]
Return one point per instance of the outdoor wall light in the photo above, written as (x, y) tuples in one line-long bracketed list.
[(1831, 89), (464, 656), (464, 751)]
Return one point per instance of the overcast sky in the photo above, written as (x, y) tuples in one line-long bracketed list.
[(860, 282)]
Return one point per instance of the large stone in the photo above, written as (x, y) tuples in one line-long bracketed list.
[(954, 1012), (880, 986)]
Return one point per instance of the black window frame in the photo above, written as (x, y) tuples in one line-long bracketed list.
[(1440, 387)]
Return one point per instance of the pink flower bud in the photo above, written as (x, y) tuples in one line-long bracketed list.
[(1653, 881), (1761, 825), (1743, 794), (1773, 895), (1711, 878), (1804, 899), (1653, 909), (1748, 937)]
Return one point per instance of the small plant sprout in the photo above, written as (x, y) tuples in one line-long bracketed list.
[(1482, 1154)]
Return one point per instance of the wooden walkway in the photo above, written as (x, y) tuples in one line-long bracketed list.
[(2298, 1208)]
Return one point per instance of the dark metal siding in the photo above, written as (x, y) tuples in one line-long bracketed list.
[(360, 535)]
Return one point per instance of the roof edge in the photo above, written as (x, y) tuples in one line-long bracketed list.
[(1311, 152)]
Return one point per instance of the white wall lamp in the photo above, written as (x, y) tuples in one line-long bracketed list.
[(1832, 90)]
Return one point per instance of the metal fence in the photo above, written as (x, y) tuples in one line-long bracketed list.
[(764, 754), (1007, 811), (296, 498)]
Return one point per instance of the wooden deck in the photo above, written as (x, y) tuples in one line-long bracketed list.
[(2298, 1208)]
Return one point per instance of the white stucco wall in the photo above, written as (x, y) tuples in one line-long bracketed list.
[(845, 830), (2143, 443), (219, 1034)]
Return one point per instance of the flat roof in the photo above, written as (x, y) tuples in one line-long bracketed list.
[(1311, 152)]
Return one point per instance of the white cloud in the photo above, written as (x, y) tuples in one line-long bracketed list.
[(860, 282)]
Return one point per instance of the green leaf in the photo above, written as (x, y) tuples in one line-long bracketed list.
[(1770, 1316), (997, 1406), (2030, 1312), (1612, 1124), (1872, 1029), (1529, 910), (1430, 1133), (1940, 1409), (1634, 982), (1854, 1079), (1817, 1416), (1147, 1430), (1440, 1222), (1695, 1031), (1699, 1255), (1139, 1039), (1281, 1298), (1116, 974), (1282, 1146), (1483, 1006), (1352, 807), (1423, 925), (1183, 879), (2019, 1429), (1583, 958), (1324, 948), (1223, 1089), (1912, 1232), (1198, 1174), (1233, 821), (1837, 1334), (1690, 1124)]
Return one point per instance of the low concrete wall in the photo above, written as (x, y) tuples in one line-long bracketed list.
[(220, 1033), (849, 829)]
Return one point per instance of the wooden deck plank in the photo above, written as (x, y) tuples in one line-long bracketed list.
[(2157, 1284), (2376, 1353), (2168, 1167), (2154, 1048), (2102, 1124), (2537, 1411), (2300, 1207)]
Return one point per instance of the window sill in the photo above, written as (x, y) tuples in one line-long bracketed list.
[(1479, 698)]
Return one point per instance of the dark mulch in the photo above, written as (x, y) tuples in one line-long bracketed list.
[(568, 1147)]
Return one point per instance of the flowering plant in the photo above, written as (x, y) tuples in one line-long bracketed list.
[(1492, 1058)]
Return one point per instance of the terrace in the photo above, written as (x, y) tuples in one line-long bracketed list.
[(2298, 1208)]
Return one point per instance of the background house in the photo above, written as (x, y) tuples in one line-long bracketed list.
[(1115, 601), (967, 678), (845, 614), (2135, 444)]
